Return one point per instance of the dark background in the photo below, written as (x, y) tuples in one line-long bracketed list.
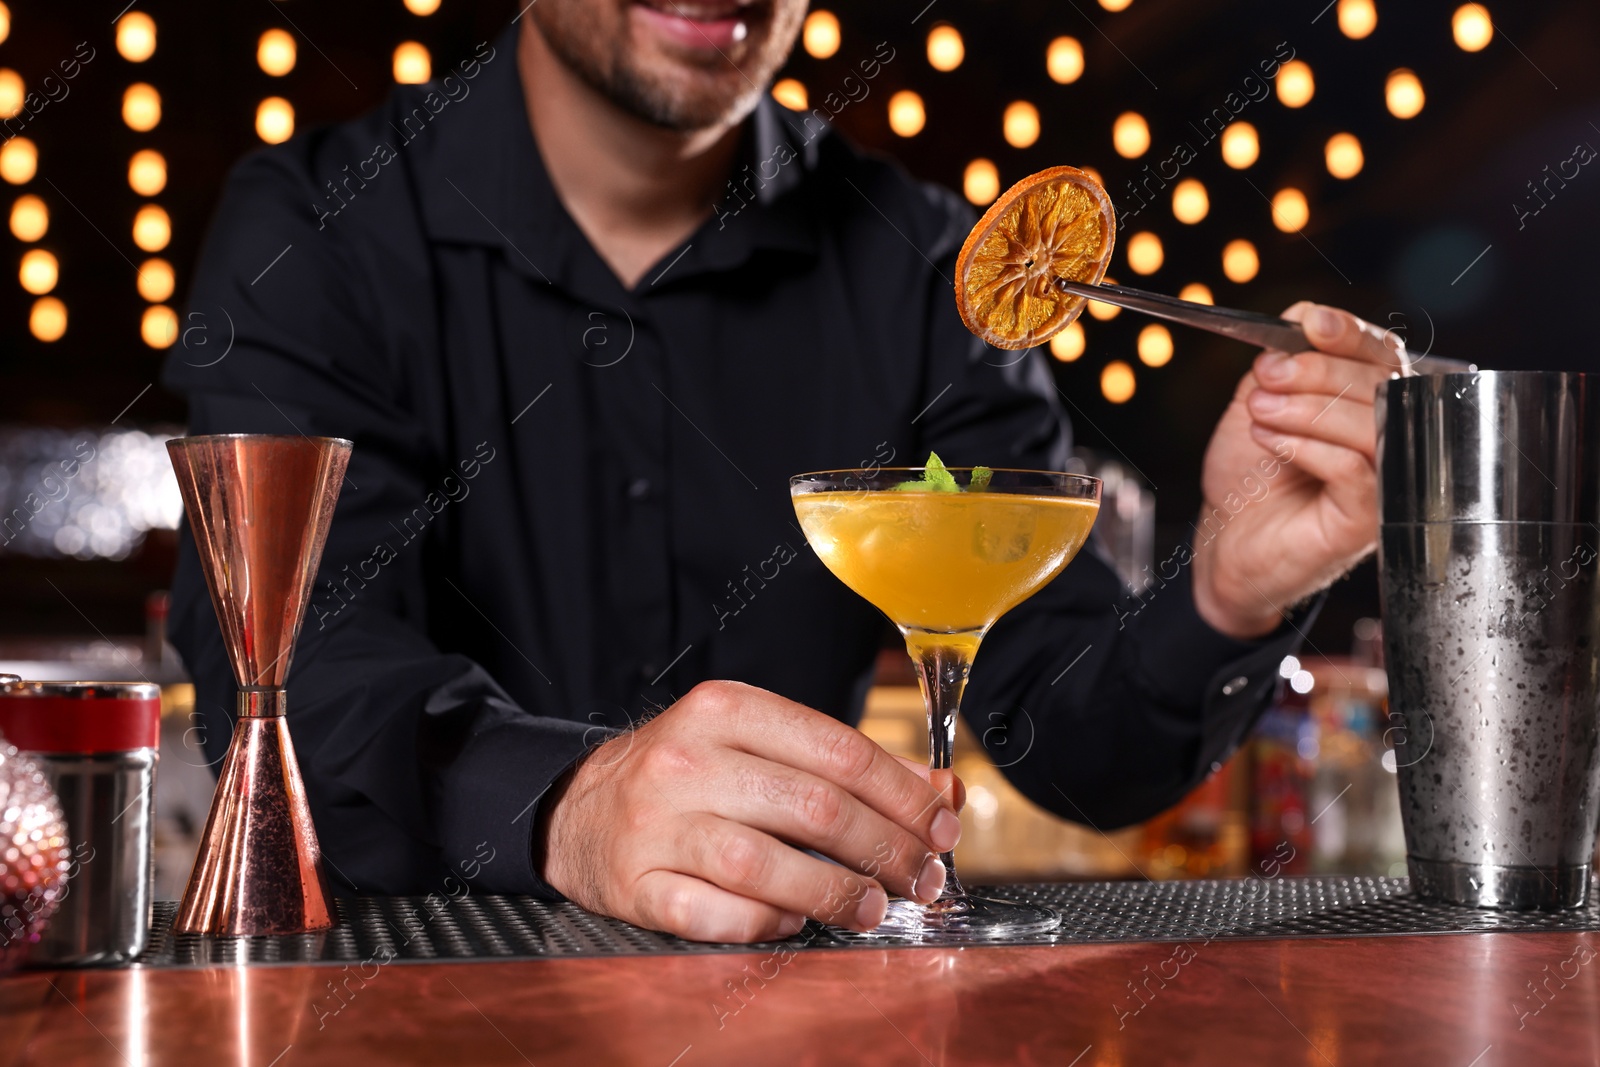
[(1390, 244)]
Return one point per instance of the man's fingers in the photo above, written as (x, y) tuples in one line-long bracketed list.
[(951, 787), (810, 811), (1350, 482), (697, 910), (1317, 372), (746, 861), (1337, 420), (1340, 333)]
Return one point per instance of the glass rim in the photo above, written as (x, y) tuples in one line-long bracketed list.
[(997, 470), (1008, 480)]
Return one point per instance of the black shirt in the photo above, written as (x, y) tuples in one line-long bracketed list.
[(568, 499)]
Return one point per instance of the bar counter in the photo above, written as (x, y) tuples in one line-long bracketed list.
[(1463, 1000)]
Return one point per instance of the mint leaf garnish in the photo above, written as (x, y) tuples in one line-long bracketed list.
[(980, 479), (936, 478)]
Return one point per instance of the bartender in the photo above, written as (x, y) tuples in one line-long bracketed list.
[(583, 304)]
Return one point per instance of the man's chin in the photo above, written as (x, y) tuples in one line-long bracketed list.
[(684, 97)]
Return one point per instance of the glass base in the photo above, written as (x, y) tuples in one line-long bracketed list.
[(959, 920)]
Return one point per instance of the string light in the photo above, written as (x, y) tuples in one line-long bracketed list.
[(1115, 5), (1343, 155), (5, 23), (38, 272), (946, 49), (906, 114), (422, 7), (981, 182), (141, 107), (1116, 382), (48, 319), (1403, 94), (1240, 262), (1240, 145), (1296, 86), (136, 37), (30, 219), (1472, 27), (11, 93), (1021, 124), (1357, 18), (19, 160), (156, 280), (1155, 345), (1068, 344), (1064, 60), (821, 34), (791, 93), (274, 120), (1099, 309), (1290, 212), (147, 172), (1145, 254), (1130, 135), (275, 52), (152, 229), (159, 326), (1196, 293), (1190, 203), (412, 64)]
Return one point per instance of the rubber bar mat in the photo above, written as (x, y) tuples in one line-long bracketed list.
[(483, 927)]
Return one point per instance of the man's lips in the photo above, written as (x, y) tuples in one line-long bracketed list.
[(701, 26)]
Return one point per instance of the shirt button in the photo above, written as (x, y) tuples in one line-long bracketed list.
[(639, 489), (1235, 685)]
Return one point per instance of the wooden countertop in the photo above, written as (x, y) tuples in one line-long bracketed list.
[(1462, 1000)]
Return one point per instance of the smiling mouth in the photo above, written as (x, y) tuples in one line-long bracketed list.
[(703, 24)]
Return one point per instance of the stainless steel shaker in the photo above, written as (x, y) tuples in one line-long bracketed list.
[(96, 744), (1489, 490)]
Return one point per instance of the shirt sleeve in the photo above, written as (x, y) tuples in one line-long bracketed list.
[(417, 765), (1100, 705)]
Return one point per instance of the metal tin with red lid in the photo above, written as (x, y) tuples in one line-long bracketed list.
[(96, 743)]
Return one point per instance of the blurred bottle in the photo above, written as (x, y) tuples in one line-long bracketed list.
[(1204, 835)]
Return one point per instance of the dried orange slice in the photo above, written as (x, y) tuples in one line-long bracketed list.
[(1058, 223)]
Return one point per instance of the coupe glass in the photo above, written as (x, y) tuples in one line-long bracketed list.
[(944, 565)]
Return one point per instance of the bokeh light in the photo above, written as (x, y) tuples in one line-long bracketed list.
[(1099, 309), (422, 7), (5, 23), (791, 93), (1240, 262), (1240, 145), (1021, 124), (1064, 60), (156, 280), (1190, 203), (136, 37), (19, 160), (1472, 27), (1155, 345), (946, 49), (906, 114), (1296, 86), (141, 107), (274, 120), (159, 326), (1197, 293), (152, 229), (147, 172), (1343, 155), (11, 93), (1068, 344), (1115, 5), (275, 52), (30, 219), (412, 64), (821, 34), (981, 182), (1403, 94), (1116, 382), (48, 319), (1290, 211), (1357, 18), (1130, 135), (38, 272), (1145, 254)]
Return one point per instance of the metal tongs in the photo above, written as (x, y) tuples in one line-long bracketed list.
[(1252, 327)]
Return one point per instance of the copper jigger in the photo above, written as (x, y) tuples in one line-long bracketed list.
[(259, 506)]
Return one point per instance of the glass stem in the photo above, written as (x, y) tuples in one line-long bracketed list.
[(942, 668)]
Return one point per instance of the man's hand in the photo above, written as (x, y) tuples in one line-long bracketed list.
[(694, 823), (1290, 483)]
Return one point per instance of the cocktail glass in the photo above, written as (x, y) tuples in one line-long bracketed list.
[(944, 566)]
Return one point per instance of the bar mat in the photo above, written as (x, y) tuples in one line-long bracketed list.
[(483, 927)]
